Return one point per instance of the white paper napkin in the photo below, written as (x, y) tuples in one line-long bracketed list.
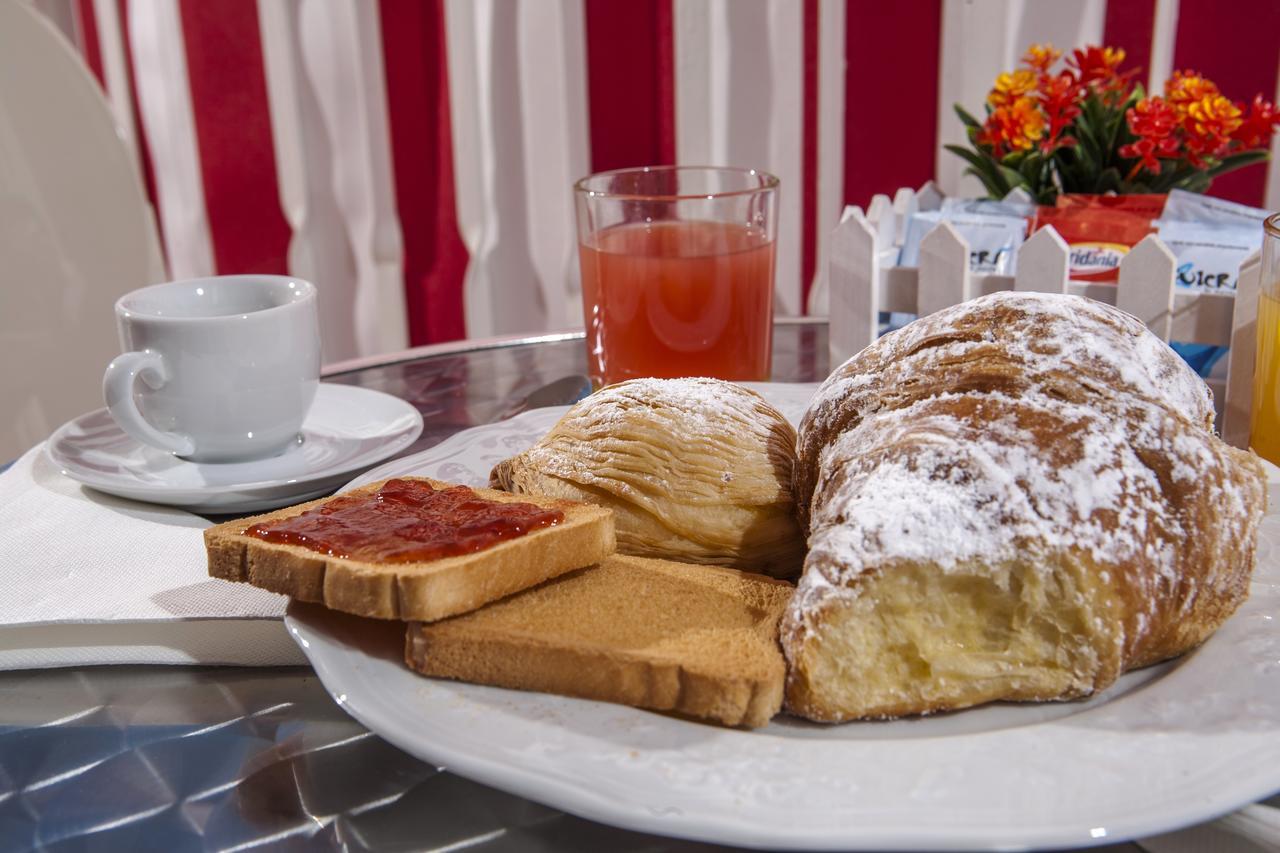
[(88, 578)]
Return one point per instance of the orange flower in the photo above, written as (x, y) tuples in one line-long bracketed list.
[(1039, 57), (1015, 126), (1185, 88), (1011, 87), (1209, 124), (1213, 115), (1052, 124)]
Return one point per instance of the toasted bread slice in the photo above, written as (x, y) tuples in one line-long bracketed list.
[(696, 640), (423, 590)]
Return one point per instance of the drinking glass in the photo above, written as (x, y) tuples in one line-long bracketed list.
[(1264, 434), (677, 272)]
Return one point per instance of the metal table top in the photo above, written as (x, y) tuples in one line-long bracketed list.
[(202, 758)]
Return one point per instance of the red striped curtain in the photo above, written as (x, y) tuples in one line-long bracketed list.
[(889, 131)]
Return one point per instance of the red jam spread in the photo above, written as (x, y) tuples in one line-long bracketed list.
[(407, 521)]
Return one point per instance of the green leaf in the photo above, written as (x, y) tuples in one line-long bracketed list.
[(1088, 159), (1091, 111), (1134, 186), (983, 167), (1012, 177), (1101, 129), (1086, 133), (988, 182), (1108, 180), (1097, 128), (992, 190), (1111, 141), (1239, 160), (980, 161), (1032, 170), (1178, 173), (1197, 183), (1068, 167), (1038, 171), (966, 117)]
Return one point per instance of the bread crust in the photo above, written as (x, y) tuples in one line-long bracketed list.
[(1007, 343), (694, 640), (423, 591), (1044, 459)]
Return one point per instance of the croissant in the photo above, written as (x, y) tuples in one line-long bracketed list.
[(1019, 498), (696, 470)]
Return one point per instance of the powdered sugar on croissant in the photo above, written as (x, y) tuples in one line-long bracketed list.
[(1064, 347), (1014, 498)]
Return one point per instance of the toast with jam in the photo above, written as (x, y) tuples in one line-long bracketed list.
[(410, 548)]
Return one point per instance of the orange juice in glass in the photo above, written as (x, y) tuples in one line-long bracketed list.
[(1264, 433), (677, 272)]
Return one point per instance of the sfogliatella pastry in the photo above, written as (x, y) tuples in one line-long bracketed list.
[(1018, 497), (695, 470)]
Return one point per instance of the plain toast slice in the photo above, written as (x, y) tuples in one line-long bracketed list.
[(696, 640), (420, 591)]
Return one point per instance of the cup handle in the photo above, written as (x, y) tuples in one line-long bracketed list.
[(117, 387)]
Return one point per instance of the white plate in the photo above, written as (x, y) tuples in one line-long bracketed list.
[(468, 456), (347, 430), (1166, 747)]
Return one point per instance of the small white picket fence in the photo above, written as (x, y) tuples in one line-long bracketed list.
[(859, 289)]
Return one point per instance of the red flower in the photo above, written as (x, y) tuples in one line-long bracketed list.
[(1152, 117), (1099, 69), (1059, 97), (1154, 122), (1258, 126), (1039, 114)]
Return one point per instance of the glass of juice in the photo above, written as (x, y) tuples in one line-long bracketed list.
[(677, 271), (1264, 434)]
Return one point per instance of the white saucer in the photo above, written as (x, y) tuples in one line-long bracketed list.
[(347, 430)]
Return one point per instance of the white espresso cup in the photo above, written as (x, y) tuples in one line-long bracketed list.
[(218, 369)]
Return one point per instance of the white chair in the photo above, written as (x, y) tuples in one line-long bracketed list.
[(75, 231)]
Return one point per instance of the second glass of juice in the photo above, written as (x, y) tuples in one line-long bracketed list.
[(1264, 435), (677, 272)]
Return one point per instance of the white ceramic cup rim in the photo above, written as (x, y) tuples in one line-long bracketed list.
[(304, 287)]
